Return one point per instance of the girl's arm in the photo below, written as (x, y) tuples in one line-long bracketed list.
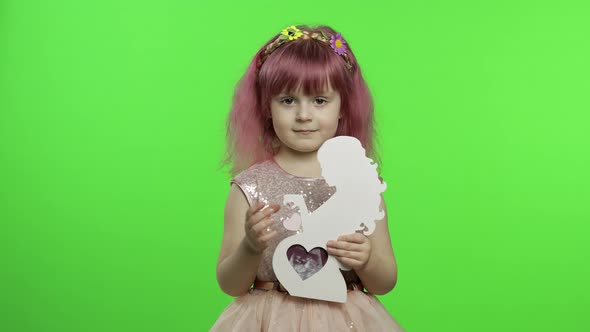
[(240, 252), (379, 275), (371, 257)]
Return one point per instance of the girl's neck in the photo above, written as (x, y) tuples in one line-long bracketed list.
[(301, 164)]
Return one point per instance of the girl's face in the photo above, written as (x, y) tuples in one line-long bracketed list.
[(304, 122)]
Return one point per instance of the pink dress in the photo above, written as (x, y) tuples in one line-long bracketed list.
[(271, 310)]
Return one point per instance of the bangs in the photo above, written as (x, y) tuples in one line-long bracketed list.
[(307, 66), (303, 65)]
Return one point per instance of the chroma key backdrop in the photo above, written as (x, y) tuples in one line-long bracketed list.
[(112, 128)]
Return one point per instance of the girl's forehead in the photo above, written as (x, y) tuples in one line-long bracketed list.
[(327, 90), (300, 93)]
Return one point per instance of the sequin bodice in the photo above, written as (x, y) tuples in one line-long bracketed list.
[(267, 182)]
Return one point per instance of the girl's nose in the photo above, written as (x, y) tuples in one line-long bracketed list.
[(303, 113)]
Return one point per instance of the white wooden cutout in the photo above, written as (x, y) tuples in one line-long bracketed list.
[(353, 207)]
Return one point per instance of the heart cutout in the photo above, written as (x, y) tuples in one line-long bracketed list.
[(293, 223), (306, 263)]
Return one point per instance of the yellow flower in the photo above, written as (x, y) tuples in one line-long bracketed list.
[(291, 32)]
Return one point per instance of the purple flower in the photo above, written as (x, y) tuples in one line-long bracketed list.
[(338, 44)]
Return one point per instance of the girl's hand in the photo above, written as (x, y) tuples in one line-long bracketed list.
[(352, 250), (257, 226)]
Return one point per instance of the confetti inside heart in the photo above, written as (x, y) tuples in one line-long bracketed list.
[(306, 263), (293, 223)]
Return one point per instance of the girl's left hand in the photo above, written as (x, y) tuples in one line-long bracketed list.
[(352, 250)]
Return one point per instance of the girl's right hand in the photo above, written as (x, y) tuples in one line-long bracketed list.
[(257, 227)]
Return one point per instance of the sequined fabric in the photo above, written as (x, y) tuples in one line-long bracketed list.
[(262, 310), (267, 182)]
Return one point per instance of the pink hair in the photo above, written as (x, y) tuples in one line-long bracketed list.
[(306, 64)]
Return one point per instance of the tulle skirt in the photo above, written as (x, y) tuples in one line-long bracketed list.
[(262, 310)]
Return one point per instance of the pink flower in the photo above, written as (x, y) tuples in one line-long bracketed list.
[(338, 44)]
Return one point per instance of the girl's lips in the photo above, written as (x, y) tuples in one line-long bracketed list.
[(305, 132)]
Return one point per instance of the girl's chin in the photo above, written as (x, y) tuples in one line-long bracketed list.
[(301, 148), (306, 149)]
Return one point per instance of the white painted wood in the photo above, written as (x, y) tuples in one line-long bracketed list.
[(354, 207)]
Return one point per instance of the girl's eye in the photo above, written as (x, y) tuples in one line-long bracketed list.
[(290, 101), (287, 101)]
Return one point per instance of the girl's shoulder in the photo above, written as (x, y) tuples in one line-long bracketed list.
[(251, 173), (249, 180)]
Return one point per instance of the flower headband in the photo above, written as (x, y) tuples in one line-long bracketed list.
[(291, 33)]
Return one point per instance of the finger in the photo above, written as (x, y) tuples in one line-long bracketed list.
[(345, 253), (259, 216), (262, 225), (254, 208), (343, 245), (354, 238), (267, 236), (353, 263), (267, 211)]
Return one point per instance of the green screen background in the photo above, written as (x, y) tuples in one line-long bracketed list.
[(112, 119)]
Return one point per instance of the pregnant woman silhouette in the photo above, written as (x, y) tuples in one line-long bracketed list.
[(301, 262)]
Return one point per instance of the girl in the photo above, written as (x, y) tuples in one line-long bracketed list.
[(301, 89)]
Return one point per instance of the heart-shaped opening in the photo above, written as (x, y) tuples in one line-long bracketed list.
[(306, 263)]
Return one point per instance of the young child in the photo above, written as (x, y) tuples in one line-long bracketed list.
[(301, 89)]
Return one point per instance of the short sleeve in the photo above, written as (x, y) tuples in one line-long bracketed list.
[(248, 184)]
